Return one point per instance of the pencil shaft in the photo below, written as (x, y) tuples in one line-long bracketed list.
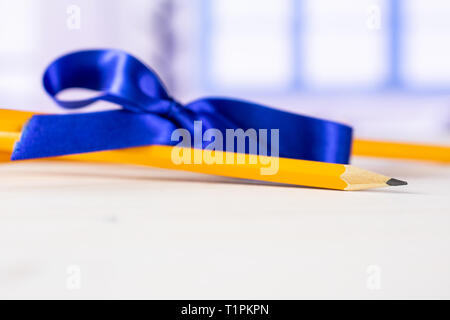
[(386, 149), (229, 164)]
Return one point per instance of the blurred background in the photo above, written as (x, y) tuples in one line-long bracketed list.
[(380, 65)]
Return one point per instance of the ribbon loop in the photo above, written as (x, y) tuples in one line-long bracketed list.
[(117, 76), (150, 115)]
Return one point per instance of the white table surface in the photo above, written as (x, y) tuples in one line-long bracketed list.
[(133, 232)]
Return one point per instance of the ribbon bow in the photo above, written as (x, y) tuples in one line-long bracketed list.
[(149, 115)]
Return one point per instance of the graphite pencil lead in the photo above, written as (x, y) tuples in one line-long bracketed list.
[(396, 182)]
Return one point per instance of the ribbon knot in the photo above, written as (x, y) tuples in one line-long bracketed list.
[(149, 115)]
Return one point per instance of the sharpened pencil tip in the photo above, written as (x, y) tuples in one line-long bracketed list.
[(396, 182)]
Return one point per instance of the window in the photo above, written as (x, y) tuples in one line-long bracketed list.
[(327, 45)]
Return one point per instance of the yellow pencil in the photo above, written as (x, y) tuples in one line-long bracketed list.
[(401, 150), (13, 121), (290, 171)]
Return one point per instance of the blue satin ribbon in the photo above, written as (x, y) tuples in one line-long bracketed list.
[(149, 115)]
